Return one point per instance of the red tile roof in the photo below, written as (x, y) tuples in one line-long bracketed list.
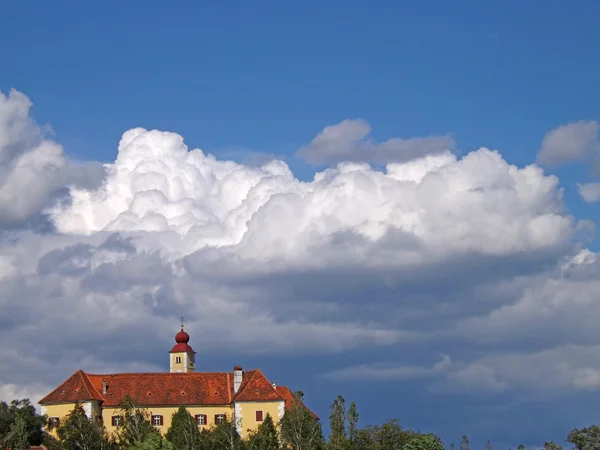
[(165, 389), (291, 400)]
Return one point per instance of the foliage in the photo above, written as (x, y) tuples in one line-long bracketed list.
[(338, 440), (78, 432), (153, 441), (464, 443), (135, 426), (225, 436), (489, 446), (352, 417), (184, 433), (299, 429), (424, 442), (265, 437), (552, 446), (20, 425), (388, 436), (585, 438)]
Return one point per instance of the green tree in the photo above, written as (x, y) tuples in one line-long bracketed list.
[(352, 417), (299, 429), (183, 432), (264, 437), (521, 447), (30, 423), (224, 436), (424, 442), (153, 441), (78, 432), (489, 446), (135, 426), (552, 446), (18, 435), (585, 438), (338, 440), (464, 443), (387, 436)]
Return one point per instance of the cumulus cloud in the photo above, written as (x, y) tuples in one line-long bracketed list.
[(576, 141), (261, 264), (441, 204), (33, 167), (590, 192), (349, 141)]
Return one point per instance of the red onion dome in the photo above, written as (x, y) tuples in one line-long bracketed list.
[(182, 337)]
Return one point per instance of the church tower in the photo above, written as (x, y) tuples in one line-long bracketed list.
[(182, 356)]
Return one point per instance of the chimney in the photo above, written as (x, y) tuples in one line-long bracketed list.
[(104, 387), (237, 378)]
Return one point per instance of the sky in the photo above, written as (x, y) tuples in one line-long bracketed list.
[(392, 201)]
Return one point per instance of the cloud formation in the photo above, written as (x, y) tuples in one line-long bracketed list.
[(469, 257), (590, 192), (33, 167), (576, 141), (349, 141)]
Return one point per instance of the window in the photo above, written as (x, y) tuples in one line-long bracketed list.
[(259, 416), (219, 418), (178, 360), (53, 422), (157, 420), (201, 419), (98, 419), (116, 421)]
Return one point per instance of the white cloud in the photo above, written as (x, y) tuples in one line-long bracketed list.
[(192, 201), (33, 167), (590, 192), (575, 141), (349, 141)]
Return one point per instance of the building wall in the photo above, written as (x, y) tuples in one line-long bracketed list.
[(92, 409), (186, 364), (168, 411), (247, 412)]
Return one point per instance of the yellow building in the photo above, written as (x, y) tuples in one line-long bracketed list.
[(245, 397)]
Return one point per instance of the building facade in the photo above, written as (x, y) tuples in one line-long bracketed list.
[(245, 397)]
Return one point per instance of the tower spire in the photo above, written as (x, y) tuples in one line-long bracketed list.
[(182, 322)]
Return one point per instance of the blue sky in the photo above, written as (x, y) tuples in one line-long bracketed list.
[(241, 80)]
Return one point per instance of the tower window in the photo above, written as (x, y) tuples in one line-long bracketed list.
[(157, 420), (178, 360)]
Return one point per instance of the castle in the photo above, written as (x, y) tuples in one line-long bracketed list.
[(210, 397)]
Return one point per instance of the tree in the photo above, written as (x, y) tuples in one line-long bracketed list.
[(153, 441), (135, 426), (388, 436), (352, 417), (489, 446), (424, 442), (225, 436), (521, 447), (586, 438), (183, 432), (18, 437), (30, 423), (552, 446), (265, 437), (299, 429), (338, 440), (78, 432), (464, 443)]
